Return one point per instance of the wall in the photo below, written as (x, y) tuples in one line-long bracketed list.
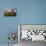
[(28, 12)]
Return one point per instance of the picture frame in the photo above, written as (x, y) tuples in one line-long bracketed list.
[(10, 12)]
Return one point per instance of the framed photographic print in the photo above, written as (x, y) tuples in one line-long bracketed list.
[(10, 12)]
